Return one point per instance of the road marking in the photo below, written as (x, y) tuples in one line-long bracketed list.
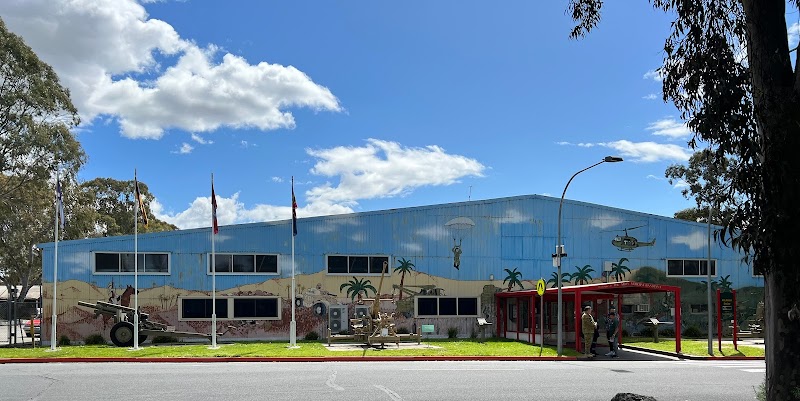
[(394, 396), (330, 383), (465, 369)]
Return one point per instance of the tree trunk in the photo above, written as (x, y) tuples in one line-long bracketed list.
[(402, 278), (775, 96)]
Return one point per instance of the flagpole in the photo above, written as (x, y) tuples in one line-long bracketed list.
[(293, 324), (136, 207), (55, 269), (213, 271)]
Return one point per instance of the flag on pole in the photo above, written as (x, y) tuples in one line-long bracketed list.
[(214, 208), (139, 201), (59, 203), (294, 211)]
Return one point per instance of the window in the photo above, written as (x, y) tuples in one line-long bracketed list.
[(690, 267), (115, 262), (446, 306), (234, 263), (355, 264), (231, 308)]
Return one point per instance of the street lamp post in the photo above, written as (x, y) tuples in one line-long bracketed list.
[(560, 252)]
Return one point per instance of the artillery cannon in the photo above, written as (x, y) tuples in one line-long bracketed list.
[(122, 331)]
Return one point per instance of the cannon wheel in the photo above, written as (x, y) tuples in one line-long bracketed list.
[(122, 334)]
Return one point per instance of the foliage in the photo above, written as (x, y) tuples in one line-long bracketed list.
[(63, 340), (666, 332), (646, 331), (729, 70), (693, 347), (356, 286), (267, 349), (95, 339), (113, 203), (724, 283), (706, 177), (452, 332), (513, 279), (405, 267), (36, 115), (402, 330), (693, 332), (582, 276), (311, 336)]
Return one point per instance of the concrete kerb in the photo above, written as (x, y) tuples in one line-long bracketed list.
[(286, 359)]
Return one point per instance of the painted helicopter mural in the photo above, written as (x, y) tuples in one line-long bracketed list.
[(628, 243)]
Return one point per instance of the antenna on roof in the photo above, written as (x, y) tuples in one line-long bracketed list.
[(469, 197)]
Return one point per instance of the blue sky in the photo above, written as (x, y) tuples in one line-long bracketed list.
[(369, 105)]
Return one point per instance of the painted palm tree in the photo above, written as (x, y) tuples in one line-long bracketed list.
[(356, 286), (725, 284), (553, 282), (619, 269), (714, 285), (513, 279), (582, 276), (405, 267)]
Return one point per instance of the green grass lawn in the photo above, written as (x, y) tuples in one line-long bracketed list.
[(693, 347), (445, 347)]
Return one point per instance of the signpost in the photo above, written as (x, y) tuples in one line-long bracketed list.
[(540, 287), (726, 309)]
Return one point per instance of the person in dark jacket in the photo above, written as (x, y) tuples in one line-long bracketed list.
[(612, 329)]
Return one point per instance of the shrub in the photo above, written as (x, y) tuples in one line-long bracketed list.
[(452, 332), (667, 332), (693, 332), (162, 339), (95, 339), (311, 336), (64, 340), (625, 333), (646, 331), (402, 330)]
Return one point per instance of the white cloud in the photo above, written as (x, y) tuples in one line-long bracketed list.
[(111, 56), (605, 221), (650, 96), (382, 169), (696, 240), (670, 128), (277, 179), (184, 149), (433, 232), (794, 34), (648, 152), (653, 177), (412, 247), (586, 145), (513, 216), (199, 139), (681, 184), (563, 143), (654, 75)]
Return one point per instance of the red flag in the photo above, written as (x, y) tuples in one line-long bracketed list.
[(214, 208), (294, 211)]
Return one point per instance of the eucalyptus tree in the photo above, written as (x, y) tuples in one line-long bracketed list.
[(729, 69)]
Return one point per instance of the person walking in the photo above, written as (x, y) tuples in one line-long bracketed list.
[(611, 333), (588, 326)]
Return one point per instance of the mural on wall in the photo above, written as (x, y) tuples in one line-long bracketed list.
[(628, 242), (459, 226), (582, 275), (553, 281), (619, 270), (513, 279)]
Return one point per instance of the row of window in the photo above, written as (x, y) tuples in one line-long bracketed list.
[(269, 308), (227, 263), (231, 308)]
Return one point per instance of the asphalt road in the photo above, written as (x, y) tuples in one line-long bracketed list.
[(395, 381)]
